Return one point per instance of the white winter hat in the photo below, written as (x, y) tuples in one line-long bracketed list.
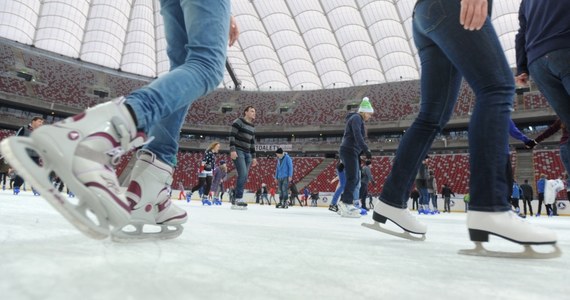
[(365, 106)]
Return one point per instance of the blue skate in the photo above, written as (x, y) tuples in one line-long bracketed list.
[(205, 201), (217, 201), (16, 190), (188, 197), (70, 195), (3, 187)]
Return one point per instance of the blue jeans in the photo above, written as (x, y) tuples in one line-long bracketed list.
[(242, 163), (283, 188), (447, 52), (196, 33), (339, 190), (434, 200), (350, 159), (552, 75), (424, 196)]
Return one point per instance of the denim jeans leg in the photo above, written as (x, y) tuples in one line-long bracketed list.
[(351, 167), (242, 163), (446, 52), (424, 196), (196, 34), (283, 189), (338, 191), (552, 75)]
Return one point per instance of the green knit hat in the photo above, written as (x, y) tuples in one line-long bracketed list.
[(365, 106)]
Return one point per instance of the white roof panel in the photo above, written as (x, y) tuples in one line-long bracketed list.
[(284, 44)]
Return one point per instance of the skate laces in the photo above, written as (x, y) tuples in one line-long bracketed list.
[(126, 142)]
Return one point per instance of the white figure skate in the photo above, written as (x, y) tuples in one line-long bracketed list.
[(349, 210), (510, 227), (149, 197), (399, 216), (82, 151)]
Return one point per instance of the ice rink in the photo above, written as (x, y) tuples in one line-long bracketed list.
[(265, 253)]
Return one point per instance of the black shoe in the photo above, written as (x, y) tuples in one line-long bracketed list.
[(333, 208)]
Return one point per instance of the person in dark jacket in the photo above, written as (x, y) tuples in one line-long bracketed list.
[(415, 195), (294, 194), (543, 51), (446, 193), (353, 145), (527, 196), (26, 131)]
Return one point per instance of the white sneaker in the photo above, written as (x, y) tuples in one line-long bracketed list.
[(506, 225), (400, 216), (348, 210), (82, 150)]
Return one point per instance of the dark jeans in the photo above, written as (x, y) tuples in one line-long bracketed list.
[(415, 203), (363, 195), (540, 200), (205, 182), (529, 202), (18, 181), (292, 199), (447, 204)]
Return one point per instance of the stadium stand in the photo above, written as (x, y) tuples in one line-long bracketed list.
[(547, 161)]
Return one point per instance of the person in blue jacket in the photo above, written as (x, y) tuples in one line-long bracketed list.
[(283, 175)]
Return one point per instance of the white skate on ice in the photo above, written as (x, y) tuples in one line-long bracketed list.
[(149, 197), (82, 151), (399, 216), (349, 210), (510, 227)]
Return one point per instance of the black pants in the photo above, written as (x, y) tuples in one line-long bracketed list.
[(446, 204), (206, 182), (292, 199), (415, 203), (3, 176), (540, 200), (528, 201), (18, 181), (548, 209), (363, 195)]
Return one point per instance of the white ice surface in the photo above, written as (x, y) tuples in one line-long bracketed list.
[(265, 253)]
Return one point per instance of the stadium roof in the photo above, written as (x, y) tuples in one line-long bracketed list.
[(284, 45)]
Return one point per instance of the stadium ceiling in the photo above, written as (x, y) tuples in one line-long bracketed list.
[(283, 45)]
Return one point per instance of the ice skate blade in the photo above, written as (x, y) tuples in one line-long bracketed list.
[(528, 253), (14, 150), (237, 207), (405, 235), (139, 235), (351, 216)]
